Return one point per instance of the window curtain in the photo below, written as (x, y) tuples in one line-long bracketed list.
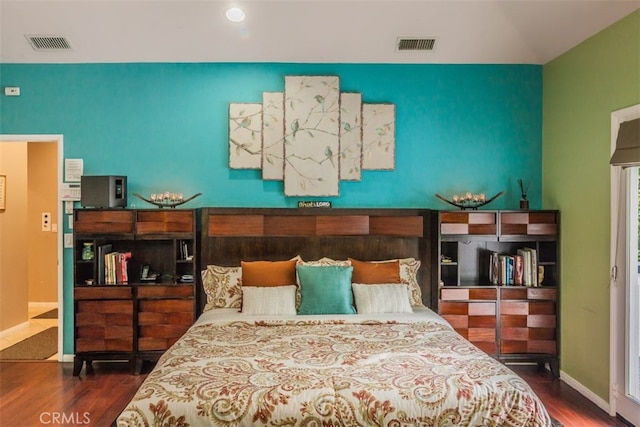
[(627, 152)]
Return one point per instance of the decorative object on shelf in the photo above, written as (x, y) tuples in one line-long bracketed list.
[(540, 274), (469, 201), (524, 187), (166, 199), (87, 251)]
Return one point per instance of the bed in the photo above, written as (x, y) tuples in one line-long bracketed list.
[(347, 340)]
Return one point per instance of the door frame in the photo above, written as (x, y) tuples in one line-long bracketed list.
[(57, 138), (617, 300)]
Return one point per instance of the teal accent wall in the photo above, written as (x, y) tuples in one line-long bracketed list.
[(581, 90), (459, 128)]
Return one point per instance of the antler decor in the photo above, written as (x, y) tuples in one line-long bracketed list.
[(469, 201), (166, 200)]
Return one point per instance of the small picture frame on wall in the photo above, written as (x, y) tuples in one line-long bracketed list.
[(3, 192)]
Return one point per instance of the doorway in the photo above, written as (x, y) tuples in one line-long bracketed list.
[(32, 186), (625, 271)]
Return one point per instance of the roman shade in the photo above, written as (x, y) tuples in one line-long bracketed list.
[(627, 152)]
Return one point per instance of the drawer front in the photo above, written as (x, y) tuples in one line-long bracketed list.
[(164, 291), (460, 294), (156, 344), (528, 327), (166, 305), (165, 221), (475, 321), (454, 294), (550, 294), (528, 345), (102, 292), (528, 223), (103, 221), (104, 326), (162, 321), (474, 223)]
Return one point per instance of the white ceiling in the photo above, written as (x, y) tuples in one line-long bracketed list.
[(356, 31)]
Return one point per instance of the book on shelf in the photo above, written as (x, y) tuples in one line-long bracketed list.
[(530, 266), (184, 250), (501, 269), (115, 268), (511, 270), (534, 266), (494, 268), (518, 270), (506, 266), (102, 251)]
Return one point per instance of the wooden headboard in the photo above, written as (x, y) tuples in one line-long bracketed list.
[(231, 235)]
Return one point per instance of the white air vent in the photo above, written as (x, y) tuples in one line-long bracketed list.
[(49, 43), (407, 43)]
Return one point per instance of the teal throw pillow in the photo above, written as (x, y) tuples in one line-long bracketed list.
[(325, 290)]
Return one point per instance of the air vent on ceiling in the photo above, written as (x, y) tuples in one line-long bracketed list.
[(407, 43), (49, 43)]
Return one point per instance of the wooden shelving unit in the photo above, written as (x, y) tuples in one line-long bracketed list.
[(511, 323), (140, 319)]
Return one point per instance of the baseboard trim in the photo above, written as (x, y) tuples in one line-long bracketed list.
[(597, 400), (14, 329), (67, 358), (50, 305)]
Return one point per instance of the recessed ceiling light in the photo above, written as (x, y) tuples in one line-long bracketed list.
[(235, 14)]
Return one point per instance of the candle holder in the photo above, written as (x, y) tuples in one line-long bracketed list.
[(166, 199), (469, 201)]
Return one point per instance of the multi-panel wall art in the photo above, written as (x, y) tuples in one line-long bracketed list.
[(245, 136), (311, 136)]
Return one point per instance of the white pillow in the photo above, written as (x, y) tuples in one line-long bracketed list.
[(382, 298), (269, 299)]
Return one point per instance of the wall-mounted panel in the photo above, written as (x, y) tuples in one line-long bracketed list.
[(245, 136), (273, 136), (350, 136), (312, 117)]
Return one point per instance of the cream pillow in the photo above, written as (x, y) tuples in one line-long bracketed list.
[(381, 298), (409, 276), (269, 300)]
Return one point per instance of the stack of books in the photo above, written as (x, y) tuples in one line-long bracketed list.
[(184, 250), (520, 269), (112, 266)]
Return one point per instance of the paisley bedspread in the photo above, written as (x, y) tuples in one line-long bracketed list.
[(231, 369)]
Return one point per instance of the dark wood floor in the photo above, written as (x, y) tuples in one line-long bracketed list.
[(563, 402), (35, 393)]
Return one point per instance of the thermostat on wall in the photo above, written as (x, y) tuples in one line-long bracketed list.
[(12, 91)]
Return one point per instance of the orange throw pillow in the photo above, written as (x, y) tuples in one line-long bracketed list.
[(268, 273), (375, 272)]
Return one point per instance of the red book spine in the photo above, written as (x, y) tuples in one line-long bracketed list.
[(123, 258)]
